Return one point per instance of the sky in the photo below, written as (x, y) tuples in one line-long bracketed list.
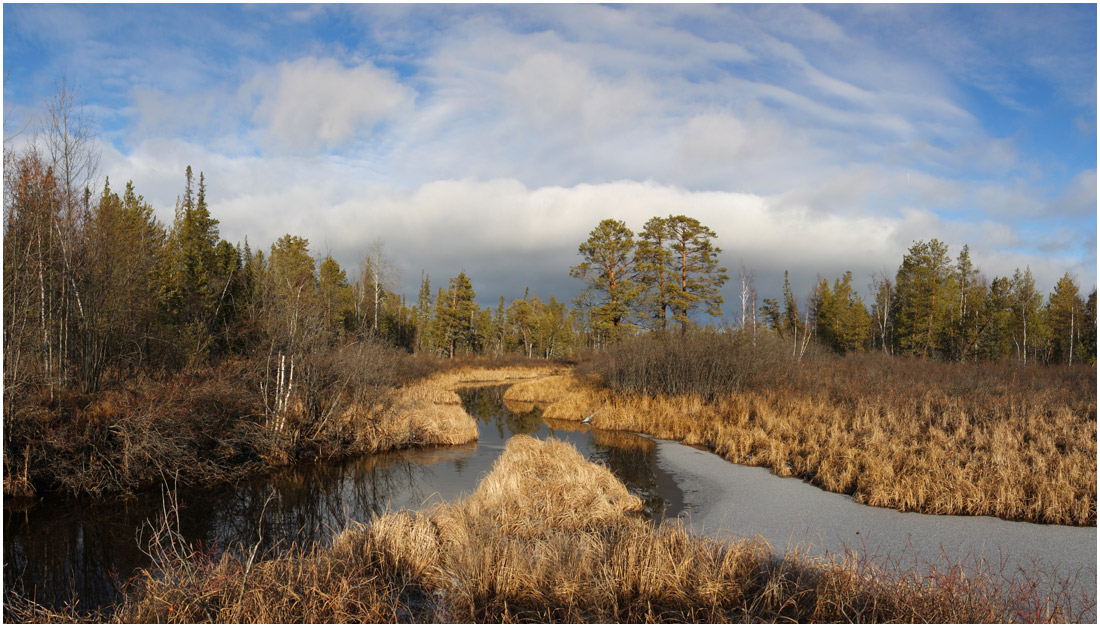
[(493, 138)]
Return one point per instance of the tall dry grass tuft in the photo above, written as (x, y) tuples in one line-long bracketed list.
[(537, 484), (428, 411), (546, 537), (932, 437)]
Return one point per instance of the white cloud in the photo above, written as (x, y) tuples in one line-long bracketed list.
[(313, 103), (557, 94), (1078, 199)]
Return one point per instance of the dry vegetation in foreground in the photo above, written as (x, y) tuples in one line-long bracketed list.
[(931, 437), (546, 537), (212, 425)]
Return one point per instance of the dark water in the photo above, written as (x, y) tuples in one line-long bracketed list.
[(56, 550)]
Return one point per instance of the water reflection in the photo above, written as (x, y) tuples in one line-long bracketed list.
[(57, 550)]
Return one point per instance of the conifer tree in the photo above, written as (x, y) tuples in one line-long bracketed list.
[(1065, 317), (968, 315), (423, 310), (1088, 329), (336, 297), (842, 321), (608, 271), (697, 277), (458, 315), (653, 262), (924, 288), (186, 290)]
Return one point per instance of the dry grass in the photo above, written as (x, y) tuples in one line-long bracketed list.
[(915, 436), (546, 537), (429, 411)]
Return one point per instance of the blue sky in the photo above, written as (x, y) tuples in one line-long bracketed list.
[(491, 139)]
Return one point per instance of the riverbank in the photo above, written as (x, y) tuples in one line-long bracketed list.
[(960, 439), (217, 425), (546, 537)]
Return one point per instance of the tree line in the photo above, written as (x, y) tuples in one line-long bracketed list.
[(935, 307), (932, 306)]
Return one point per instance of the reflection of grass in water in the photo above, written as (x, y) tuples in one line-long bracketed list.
[(487, 405), (547, 537), (623, 440)]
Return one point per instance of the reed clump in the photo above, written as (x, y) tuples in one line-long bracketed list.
[(915, 435), (546, 537)]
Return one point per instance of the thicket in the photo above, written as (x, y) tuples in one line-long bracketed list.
[(705, 363), (208, 425), (134, 348)]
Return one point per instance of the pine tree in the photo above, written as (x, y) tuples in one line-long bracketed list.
[(653, 262), (967, 312), (500, 328), (697, 277), (996, 341), (336, 297), (842, 321), (608, 270), (1088, 329), (424, 336)]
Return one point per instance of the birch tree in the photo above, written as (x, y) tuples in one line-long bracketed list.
[(882, 312), (748, 300), (1026, 301)]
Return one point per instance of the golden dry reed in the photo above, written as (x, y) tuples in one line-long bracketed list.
[(546, 537), (428, 411), (915, 436)]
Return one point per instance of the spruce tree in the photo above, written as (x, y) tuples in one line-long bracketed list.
[(924, 289)]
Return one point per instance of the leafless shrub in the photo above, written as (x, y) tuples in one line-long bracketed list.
[(707, 364)]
